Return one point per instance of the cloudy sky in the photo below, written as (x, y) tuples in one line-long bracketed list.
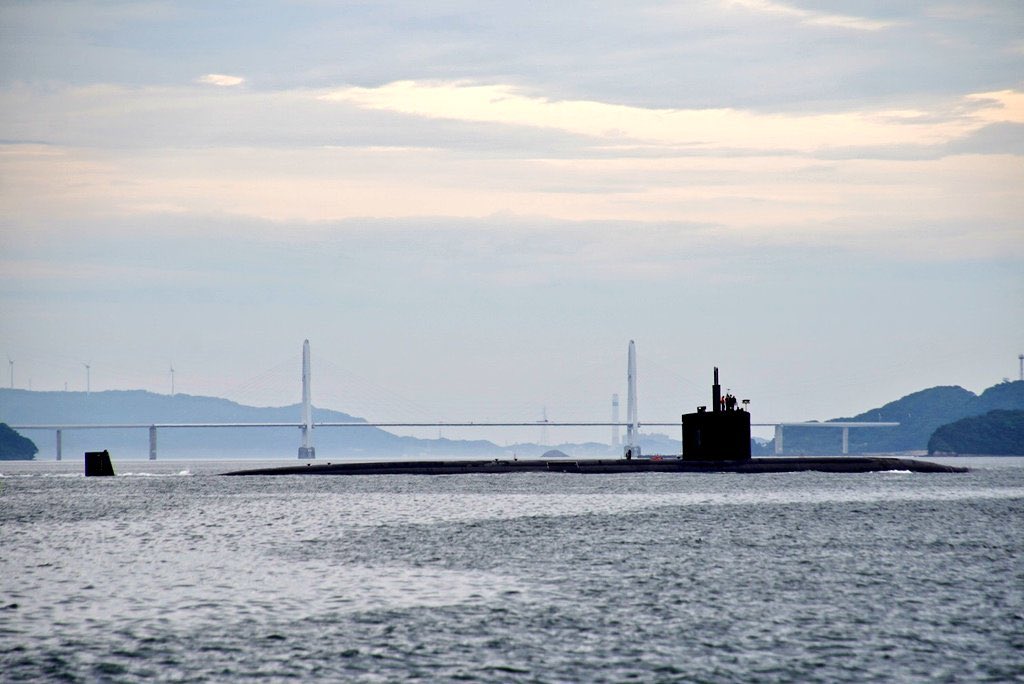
[(470, 208)]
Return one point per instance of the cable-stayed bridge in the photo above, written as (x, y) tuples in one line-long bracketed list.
[(307, 426)]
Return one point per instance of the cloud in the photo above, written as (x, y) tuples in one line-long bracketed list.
[(812, 18), (694, 129), (221, 80), (648, 52), (452, 149), (1002, 106), (482, 120)]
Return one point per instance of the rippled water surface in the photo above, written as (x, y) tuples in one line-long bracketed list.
[(169, 571)]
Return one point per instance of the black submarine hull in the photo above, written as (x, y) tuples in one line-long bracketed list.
[(604, 466)]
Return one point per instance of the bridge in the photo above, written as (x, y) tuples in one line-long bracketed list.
[(844, 426), (306, 425)]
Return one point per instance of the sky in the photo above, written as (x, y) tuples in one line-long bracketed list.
[(469, 208)]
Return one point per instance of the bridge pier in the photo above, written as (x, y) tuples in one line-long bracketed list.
[(846, 441), (60, 435), (152, 442), (778, 440)]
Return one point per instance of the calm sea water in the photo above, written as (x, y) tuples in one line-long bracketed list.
[(172, 572)]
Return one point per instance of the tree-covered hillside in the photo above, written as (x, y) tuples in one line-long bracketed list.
[(919, 415), (15, 447), (996, 433)]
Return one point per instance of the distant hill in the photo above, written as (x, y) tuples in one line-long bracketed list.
[(23, 407), (919, 415), (15, 447), (996, 433), (1007, 396)]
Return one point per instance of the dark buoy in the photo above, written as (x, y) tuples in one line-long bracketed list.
[(97, 464)]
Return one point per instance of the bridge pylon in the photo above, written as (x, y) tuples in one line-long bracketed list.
[(306, 449)]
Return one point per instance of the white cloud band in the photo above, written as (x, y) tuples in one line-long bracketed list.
[(222, 80)]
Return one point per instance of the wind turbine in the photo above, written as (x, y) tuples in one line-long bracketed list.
[(87, 384), (10, 363), (172, 378)]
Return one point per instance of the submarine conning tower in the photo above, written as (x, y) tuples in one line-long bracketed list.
[(722, 434)]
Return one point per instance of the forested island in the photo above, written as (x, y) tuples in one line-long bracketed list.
[(15, 447), (996, 433)]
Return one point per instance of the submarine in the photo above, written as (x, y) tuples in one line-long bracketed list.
[(715, 441)]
